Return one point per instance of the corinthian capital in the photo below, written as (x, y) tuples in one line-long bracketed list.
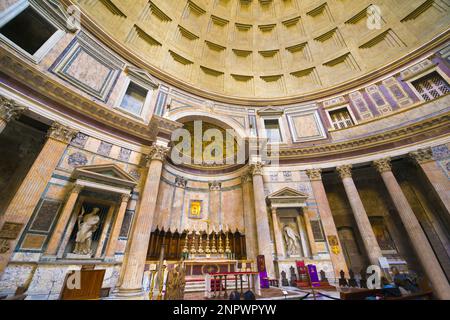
[(9, 110), (383, 165), (422, 155), (345, 171), (246, 177), (256, 169), (158, 153), (215, 186), (61, 133), (314, 174)]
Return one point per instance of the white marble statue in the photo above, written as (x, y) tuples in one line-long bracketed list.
[(292, 240), (87, 225)]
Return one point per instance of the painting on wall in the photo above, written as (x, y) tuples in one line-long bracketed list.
[(195, 209), (382, 235)]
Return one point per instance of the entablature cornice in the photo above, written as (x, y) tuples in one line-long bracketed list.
[(35, 79), (398, 135)]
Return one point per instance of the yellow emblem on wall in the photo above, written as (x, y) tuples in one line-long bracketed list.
[(334, 244), (196, 209)]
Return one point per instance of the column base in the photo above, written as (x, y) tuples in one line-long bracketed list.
[(128, 294)]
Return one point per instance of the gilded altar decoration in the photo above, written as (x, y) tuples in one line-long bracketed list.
[(195, 211), (334, 244), (87, 225)]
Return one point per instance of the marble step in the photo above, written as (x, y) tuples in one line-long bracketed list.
[(200, 286)]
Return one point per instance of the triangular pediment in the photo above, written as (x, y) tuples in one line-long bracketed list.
[(288, 194), (111, 173), (143, 76), (270, 111)]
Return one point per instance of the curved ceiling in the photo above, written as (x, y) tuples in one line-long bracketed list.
[(266, 49)]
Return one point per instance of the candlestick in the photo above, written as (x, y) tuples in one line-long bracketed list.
[(200, 245), (213, 245), (220, 243), (193, 250), (207, 249)]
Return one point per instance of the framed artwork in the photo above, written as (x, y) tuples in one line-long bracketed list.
[(195, 209)]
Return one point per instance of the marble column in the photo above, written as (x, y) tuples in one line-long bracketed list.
[(415, 232), (262, 225), (309, 232), (52, 247), (33, 185), (303, 236), (249, 217), (326, 216), (434, 174), (278, 234), (134, 264), (373, 250), (9, 110), (117, 226)]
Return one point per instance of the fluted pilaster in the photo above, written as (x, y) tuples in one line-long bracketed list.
[(435, 175), (27, 196)]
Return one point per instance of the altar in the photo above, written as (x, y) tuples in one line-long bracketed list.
[(203, 266)]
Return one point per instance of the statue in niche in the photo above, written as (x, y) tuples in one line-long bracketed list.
[(292, 240), (87, 225)]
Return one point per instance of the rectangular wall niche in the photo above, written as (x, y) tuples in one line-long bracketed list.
[(305, 124), (89, 67)]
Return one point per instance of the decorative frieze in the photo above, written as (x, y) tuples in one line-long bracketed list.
[(417, 69), (345, 171), (61, 133), (361, 105), (80, 140), (397, 92), (314, 174), (383, 165), (104, 148), (422, 155)]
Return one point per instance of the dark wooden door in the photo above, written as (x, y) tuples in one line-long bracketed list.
[(90, 285)]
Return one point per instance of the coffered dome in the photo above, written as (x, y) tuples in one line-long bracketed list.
[(263, 49)]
